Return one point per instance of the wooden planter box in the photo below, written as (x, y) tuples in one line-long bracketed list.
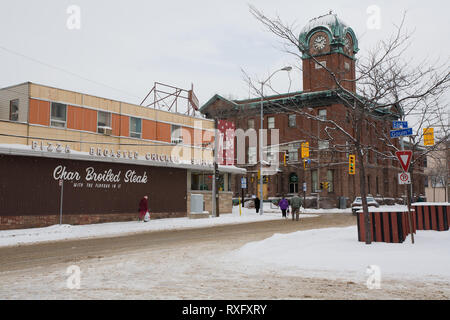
[(432, 215), (392, 226)]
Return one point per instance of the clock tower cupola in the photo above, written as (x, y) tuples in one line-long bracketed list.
[(334, 44)]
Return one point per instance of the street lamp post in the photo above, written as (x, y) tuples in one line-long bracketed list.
[(261, 139)]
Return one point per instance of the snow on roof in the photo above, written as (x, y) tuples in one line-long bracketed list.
[(329, 21)]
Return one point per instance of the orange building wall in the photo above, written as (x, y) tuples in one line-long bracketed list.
[(163, 132), (81, 119), (115, 123), (188, 135), (39, 112), (124, 126), (148, 129)]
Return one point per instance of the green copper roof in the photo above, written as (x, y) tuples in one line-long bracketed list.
[(333, 26)]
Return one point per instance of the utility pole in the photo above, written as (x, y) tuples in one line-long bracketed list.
[(215, 198), (261, 182), (318, 164)]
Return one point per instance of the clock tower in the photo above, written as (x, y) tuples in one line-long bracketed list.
[(331, 42)]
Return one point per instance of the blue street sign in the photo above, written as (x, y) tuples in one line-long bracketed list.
[(400, 124), (401, 133), (243, 183)]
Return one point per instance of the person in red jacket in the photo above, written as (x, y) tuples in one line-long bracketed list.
[(143, 207)]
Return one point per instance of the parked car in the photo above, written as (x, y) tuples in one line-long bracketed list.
[(357, 204)]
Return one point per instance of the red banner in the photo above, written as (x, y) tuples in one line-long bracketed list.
[(226, 142)]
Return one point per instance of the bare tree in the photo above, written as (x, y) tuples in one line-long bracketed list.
[(387, 87)]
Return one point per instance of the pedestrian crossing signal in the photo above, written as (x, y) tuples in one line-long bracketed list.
[(351, 164)]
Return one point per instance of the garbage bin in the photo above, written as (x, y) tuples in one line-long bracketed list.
[(432, 215), (388, 225), (342, 203)]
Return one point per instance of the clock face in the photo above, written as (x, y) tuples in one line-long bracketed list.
[(348, 44), (320, 43)]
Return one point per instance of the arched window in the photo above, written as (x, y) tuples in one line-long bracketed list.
[(293, 183)]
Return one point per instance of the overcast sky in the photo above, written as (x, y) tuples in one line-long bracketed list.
[(123, 47)]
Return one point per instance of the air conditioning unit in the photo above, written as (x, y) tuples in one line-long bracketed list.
[(105, 130), (177, 140)]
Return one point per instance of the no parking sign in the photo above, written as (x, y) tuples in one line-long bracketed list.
[(404, 178)]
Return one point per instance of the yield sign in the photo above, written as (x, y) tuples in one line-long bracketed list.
[(405, 158)]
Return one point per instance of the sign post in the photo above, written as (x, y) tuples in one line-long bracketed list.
[(61, 184), (243, 187), (405, 157)]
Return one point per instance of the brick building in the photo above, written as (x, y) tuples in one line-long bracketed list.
[(334, 45), (87, 159)]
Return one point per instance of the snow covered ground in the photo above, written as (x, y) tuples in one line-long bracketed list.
[(336, 253), (321, 263), (66, 232)]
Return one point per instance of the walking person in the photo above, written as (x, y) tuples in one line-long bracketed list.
[(143, 207), (284, 205), (257, 204), (296, 203)]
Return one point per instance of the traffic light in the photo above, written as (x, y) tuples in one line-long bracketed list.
[(321, 186), (325, 185), (305, 150), (286, 158), (351, 164)]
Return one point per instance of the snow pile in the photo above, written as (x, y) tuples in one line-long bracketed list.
[(67, 232), (337, 252)]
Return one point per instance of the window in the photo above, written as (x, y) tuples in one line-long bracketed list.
[(377, 186), (347, 66), (176, 136), (252, 155), (323, 114), (14, 110), (135, 127), (103, 121), (293, 183), (271, 123), (271, 156), (293, 155), (201, 181), (318, 66), (330, 180), (58, 115), (292, 121), (314, 185), (323, 144), (251, 123)]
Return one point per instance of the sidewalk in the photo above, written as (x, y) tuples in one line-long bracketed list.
[(67, 232)]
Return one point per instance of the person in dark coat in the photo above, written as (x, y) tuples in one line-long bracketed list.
[(143, 207), (257, 204)]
